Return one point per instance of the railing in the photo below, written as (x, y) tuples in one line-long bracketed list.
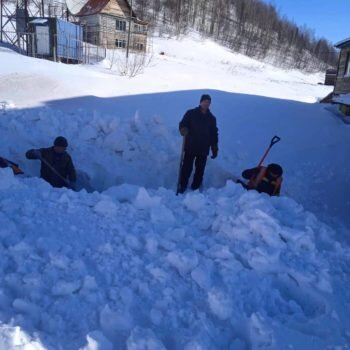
[(65, 48), (93, 53)]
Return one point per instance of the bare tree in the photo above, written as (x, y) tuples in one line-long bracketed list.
[(251, 27)]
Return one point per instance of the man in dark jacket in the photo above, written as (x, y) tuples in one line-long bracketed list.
[(198, 126), (264, 180), (56, 164)]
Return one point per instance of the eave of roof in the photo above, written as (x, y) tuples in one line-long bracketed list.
[(92, 7), (343, 43)]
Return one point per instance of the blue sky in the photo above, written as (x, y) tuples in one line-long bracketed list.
[(329, 19)]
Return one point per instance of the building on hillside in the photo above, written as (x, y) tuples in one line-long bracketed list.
[(54, 39), (106, 23), (341, 94)]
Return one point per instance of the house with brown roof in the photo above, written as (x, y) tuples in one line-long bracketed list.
[(341, 94), (106, 23)]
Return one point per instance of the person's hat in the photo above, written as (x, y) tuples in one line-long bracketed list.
[(205, 97), (276, 169), (60, 141)]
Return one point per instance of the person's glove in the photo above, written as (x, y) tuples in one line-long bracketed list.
[(214, 151), (184, 131)]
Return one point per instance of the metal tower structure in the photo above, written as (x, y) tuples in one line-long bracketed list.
[(14, 16)]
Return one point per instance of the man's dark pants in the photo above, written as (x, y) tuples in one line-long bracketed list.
[(187, 167)]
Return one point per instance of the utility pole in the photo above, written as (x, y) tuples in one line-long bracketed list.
[(129, 32), (42, 7), (1, 9)]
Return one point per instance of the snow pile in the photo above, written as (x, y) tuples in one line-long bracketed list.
[(135, 267), (135, 140), (215, 270), (106, 149), (344, 99)]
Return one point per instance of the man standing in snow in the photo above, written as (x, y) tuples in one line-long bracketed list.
[(198, 127), (56, 164)]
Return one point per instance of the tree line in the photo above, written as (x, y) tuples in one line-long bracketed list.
[(251, 27)]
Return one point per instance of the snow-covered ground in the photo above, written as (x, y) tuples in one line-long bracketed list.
[(188, 64), (345, 99), (132, 266)]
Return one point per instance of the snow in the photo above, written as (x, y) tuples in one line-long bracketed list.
[(188, 64), (126, 264), (87, 288), (344, 99)]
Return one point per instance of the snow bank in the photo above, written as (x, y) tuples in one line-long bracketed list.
[(233, 270), (344, 99), (107, 150), (134, 266)]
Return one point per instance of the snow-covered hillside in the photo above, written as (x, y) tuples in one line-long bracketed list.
[(132, 266), (187, 65)]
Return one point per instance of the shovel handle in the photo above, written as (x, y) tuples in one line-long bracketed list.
[(274, 140)]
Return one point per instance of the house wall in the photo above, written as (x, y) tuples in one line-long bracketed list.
[(101, 29), (91, 25), (117, 8), (342, 84)]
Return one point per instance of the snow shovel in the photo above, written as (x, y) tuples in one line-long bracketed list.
[(181, 164), (15, 168), (274, 140)]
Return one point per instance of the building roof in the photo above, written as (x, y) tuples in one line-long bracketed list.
[(343, 43), (92, 7), (39, 21)]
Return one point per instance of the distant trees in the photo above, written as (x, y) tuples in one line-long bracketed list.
[(251, 27)]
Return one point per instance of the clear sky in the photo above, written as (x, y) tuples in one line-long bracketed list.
[(329, 19)]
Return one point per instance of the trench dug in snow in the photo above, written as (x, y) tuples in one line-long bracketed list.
[(108, 151), (226, 268)]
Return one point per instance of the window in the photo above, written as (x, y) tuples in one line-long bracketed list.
[(347, 65), (139, 46), (140, 28), (120, 25), (120, 43)]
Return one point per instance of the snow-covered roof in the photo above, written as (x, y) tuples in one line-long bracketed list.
[(39, 21), (343, 99), (342, 43), (92, 7)]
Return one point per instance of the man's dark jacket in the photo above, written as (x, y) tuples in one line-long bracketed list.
[(203, 132), (62, 163)]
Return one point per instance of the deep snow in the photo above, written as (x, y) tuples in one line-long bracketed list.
[(225, 269), (135, 267)]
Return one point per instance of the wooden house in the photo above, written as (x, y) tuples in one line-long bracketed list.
[(341, 93), (106, 23)]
